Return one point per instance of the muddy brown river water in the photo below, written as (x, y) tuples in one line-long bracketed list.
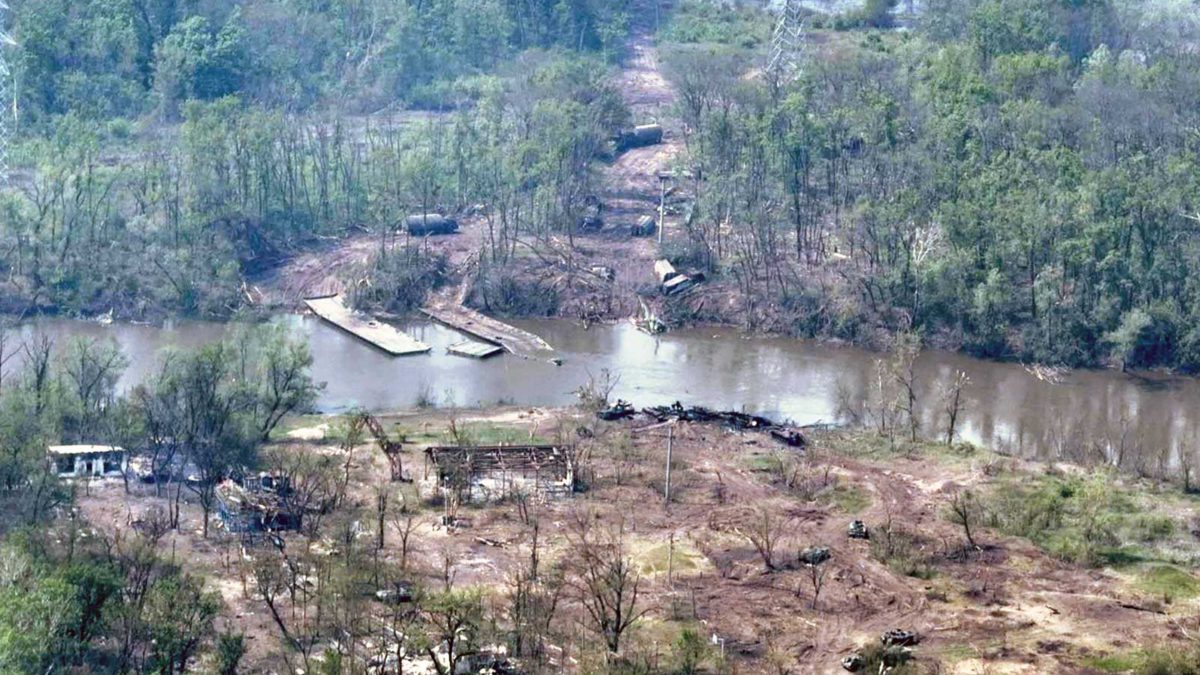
[(1087, 416)]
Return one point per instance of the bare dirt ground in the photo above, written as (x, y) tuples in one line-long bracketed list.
[(1007, 608)]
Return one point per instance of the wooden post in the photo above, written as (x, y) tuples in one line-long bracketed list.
[(662, 207), (667, 487), (670, 559)]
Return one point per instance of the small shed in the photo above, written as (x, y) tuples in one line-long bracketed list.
[(88, 461)]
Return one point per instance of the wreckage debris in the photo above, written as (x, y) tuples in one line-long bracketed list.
[(899, 638), (671, 281), (789, 437), (814, 555), (858, 530), (854, 663)]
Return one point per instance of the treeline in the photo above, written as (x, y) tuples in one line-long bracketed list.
[(103, 59), (1014, 177), (180, 225)]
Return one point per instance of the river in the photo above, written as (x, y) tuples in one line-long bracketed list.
[(1087, 416)]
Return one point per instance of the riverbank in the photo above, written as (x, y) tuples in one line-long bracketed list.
[(1002, 604)]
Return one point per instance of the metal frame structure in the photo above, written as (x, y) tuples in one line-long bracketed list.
[(787, 42), (8, 92)]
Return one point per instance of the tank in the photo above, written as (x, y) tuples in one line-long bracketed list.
[(430, 223), (640, 137)]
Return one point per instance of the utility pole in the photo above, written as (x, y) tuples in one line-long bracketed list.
[(667, 486)]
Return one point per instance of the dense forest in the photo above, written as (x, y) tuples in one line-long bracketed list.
[(1015, 177)]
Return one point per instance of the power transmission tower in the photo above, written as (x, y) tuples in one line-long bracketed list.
[(787, 43), (8, 94)]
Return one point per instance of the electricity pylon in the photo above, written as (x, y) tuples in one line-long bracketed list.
[(8, 94), (787, 43)]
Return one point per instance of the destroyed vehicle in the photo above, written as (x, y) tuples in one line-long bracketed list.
[(814, 555), (424, 224), (644, 227), (671, 281), (590, 223), (854, 663), (858, 530), (899, 638), (618, 411), (744, 421), (604, 272), (639, 137), (397, 593), (789, 437)]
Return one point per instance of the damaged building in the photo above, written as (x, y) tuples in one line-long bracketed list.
[(490, 472), (256, 504), (88, 461)]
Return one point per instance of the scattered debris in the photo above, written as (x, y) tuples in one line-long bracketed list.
[(858, 530), (648, 322), (1048, 374)]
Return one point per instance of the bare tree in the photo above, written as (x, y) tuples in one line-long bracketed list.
[(965, 511), (816, 576), (764, 534), (903, 369), (607, 583), (405, 522), (533, 599), (952, 403)]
